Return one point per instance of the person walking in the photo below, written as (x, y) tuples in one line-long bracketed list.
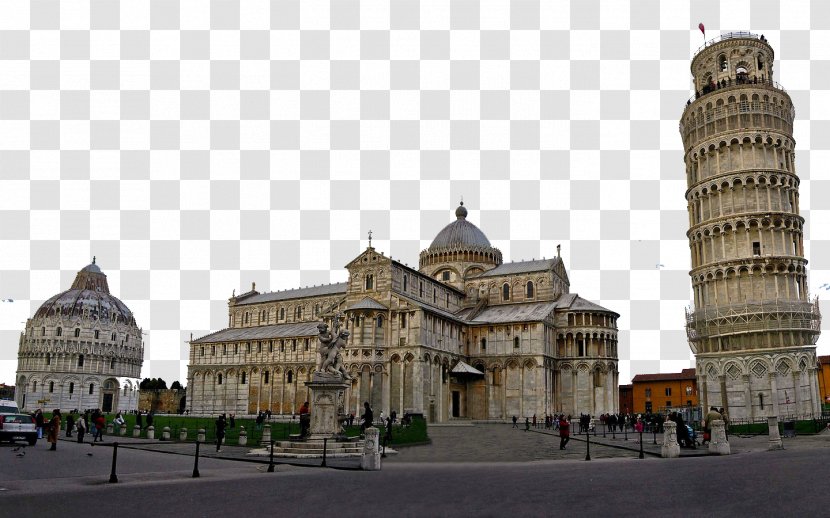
[(232, 421), (367, 418), (70, 422), (564, 431), (39, 423), (81, 426), (54, 429), (515, 421), (138, 419), (527, 423), (100, 423), (220, 432)]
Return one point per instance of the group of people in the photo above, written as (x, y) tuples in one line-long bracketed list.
[(93, 421)]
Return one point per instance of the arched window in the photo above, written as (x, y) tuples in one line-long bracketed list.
[(483, 344), (34, 386), (370, 281), (97, 334), (380, 321), (42, 331), (219, 379), (306, 344), (299, 312), (282, 313), (59, 331), (112, 363), (77, 332), (403, 320), (127, 338), (114, 337), (421, 289), (445, 275), (265, 377), (405, 282), (515, 342), (80, 360), (51, 386), (290, 377), (244, 378), (505, 291), (434, 295), (529, 290), (294, 345), (723, 63), (91, 388), (71, 388), (48, 359)]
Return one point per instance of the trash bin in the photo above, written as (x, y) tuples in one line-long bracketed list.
[(789, 428)]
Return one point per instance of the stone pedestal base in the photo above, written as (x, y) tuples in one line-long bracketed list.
[(670, 448), (328, 394), (371, 450), (719, 445), (774, 442)]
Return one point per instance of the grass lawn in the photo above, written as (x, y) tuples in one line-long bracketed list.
[(280, 430)]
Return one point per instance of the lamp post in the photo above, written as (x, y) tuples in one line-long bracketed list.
[(587, 444)]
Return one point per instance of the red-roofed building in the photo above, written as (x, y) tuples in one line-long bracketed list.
[(824, 379), (656, 392)]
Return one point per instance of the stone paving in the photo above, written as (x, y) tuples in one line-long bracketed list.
[(488, 443)]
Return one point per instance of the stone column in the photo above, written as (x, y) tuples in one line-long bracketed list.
[(370, 461), (575, 389), (815, 407), (266, 435), (670, 448), (774, 392), (385, 395), (774, 442), (796, 389), (719, 445), (748, 410), (417, 385)]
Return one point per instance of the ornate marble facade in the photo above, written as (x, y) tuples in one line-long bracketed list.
[(82, 349), (464, 336), (753, 327)]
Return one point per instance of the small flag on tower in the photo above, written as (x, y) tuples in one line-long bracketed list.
[(702, 29)]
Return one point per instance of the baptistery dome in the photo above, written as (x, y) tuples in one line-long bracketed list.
[(82, 349)]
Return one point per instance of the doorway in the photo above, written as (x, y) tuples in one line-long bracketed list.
[(106, 406), (456, 403)]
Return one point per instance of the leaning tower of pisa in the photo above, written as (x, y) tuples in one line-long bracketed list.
[(753, 327)]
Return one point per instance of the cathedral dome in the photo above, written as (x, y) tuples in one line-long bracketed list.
[(460, 234)]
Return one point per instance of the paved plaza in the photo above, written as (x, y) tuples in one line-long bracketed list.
[(488, 470)]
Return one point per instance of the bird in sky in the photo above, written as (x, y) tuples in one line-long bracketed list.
[(658, 266), (7, 300)]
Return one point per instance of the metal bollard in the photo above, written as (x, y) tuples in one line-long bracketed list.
[(641, 446), (625, 431), (271, 461), (196, 463), (325, 443), (113, 477), (604, 429), (587, 445), (655, 436)]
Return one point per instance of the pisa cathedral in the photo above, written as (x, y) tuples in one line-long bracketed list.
[(753, 327), (463, 336), (82, 350)]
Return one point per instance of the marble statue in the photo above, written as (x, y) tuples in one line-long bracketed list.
[(330, 350)]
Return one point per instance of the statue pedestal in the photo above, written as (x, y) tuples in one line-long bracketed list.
[(328, 392), (670, 448), (719, 445), (774, 442)]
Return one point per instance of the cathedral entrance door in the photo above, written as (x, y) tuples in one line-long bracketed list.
[(456, 403), (106, 406)]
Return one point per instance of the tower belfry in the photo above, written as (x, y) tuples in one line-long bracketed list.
[(753, 327)]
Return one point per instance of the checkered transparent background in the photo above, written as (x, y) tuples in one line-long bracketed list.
[(195, 147)]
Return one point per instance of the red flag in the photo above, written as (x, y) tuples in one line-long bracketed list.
[(702, 29)]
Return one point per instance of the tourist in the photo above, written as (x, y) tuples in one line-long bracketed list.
[(118, 422), (150, 417), (534, 420), (80, 425), (515, 420), (39, 423), (220, 432), (305, 420), (54, 429), (351, 418), (527, 423), (259, 420), (711, 417), (138, 419), (382, 417), (388, 437), (394, 416), (564, 431), (367, 418), (100, 423), (70, 422), (722, 413), (232, 421)]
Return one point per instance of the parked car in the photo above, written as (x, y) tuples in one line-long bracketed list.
[(7, 406), (18, 427)]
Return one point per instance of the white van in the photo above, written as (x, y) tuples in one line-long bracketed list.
[(7, 406)]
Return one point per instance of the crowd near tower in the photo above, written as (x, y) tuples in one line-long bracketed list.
[(753, 327)]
